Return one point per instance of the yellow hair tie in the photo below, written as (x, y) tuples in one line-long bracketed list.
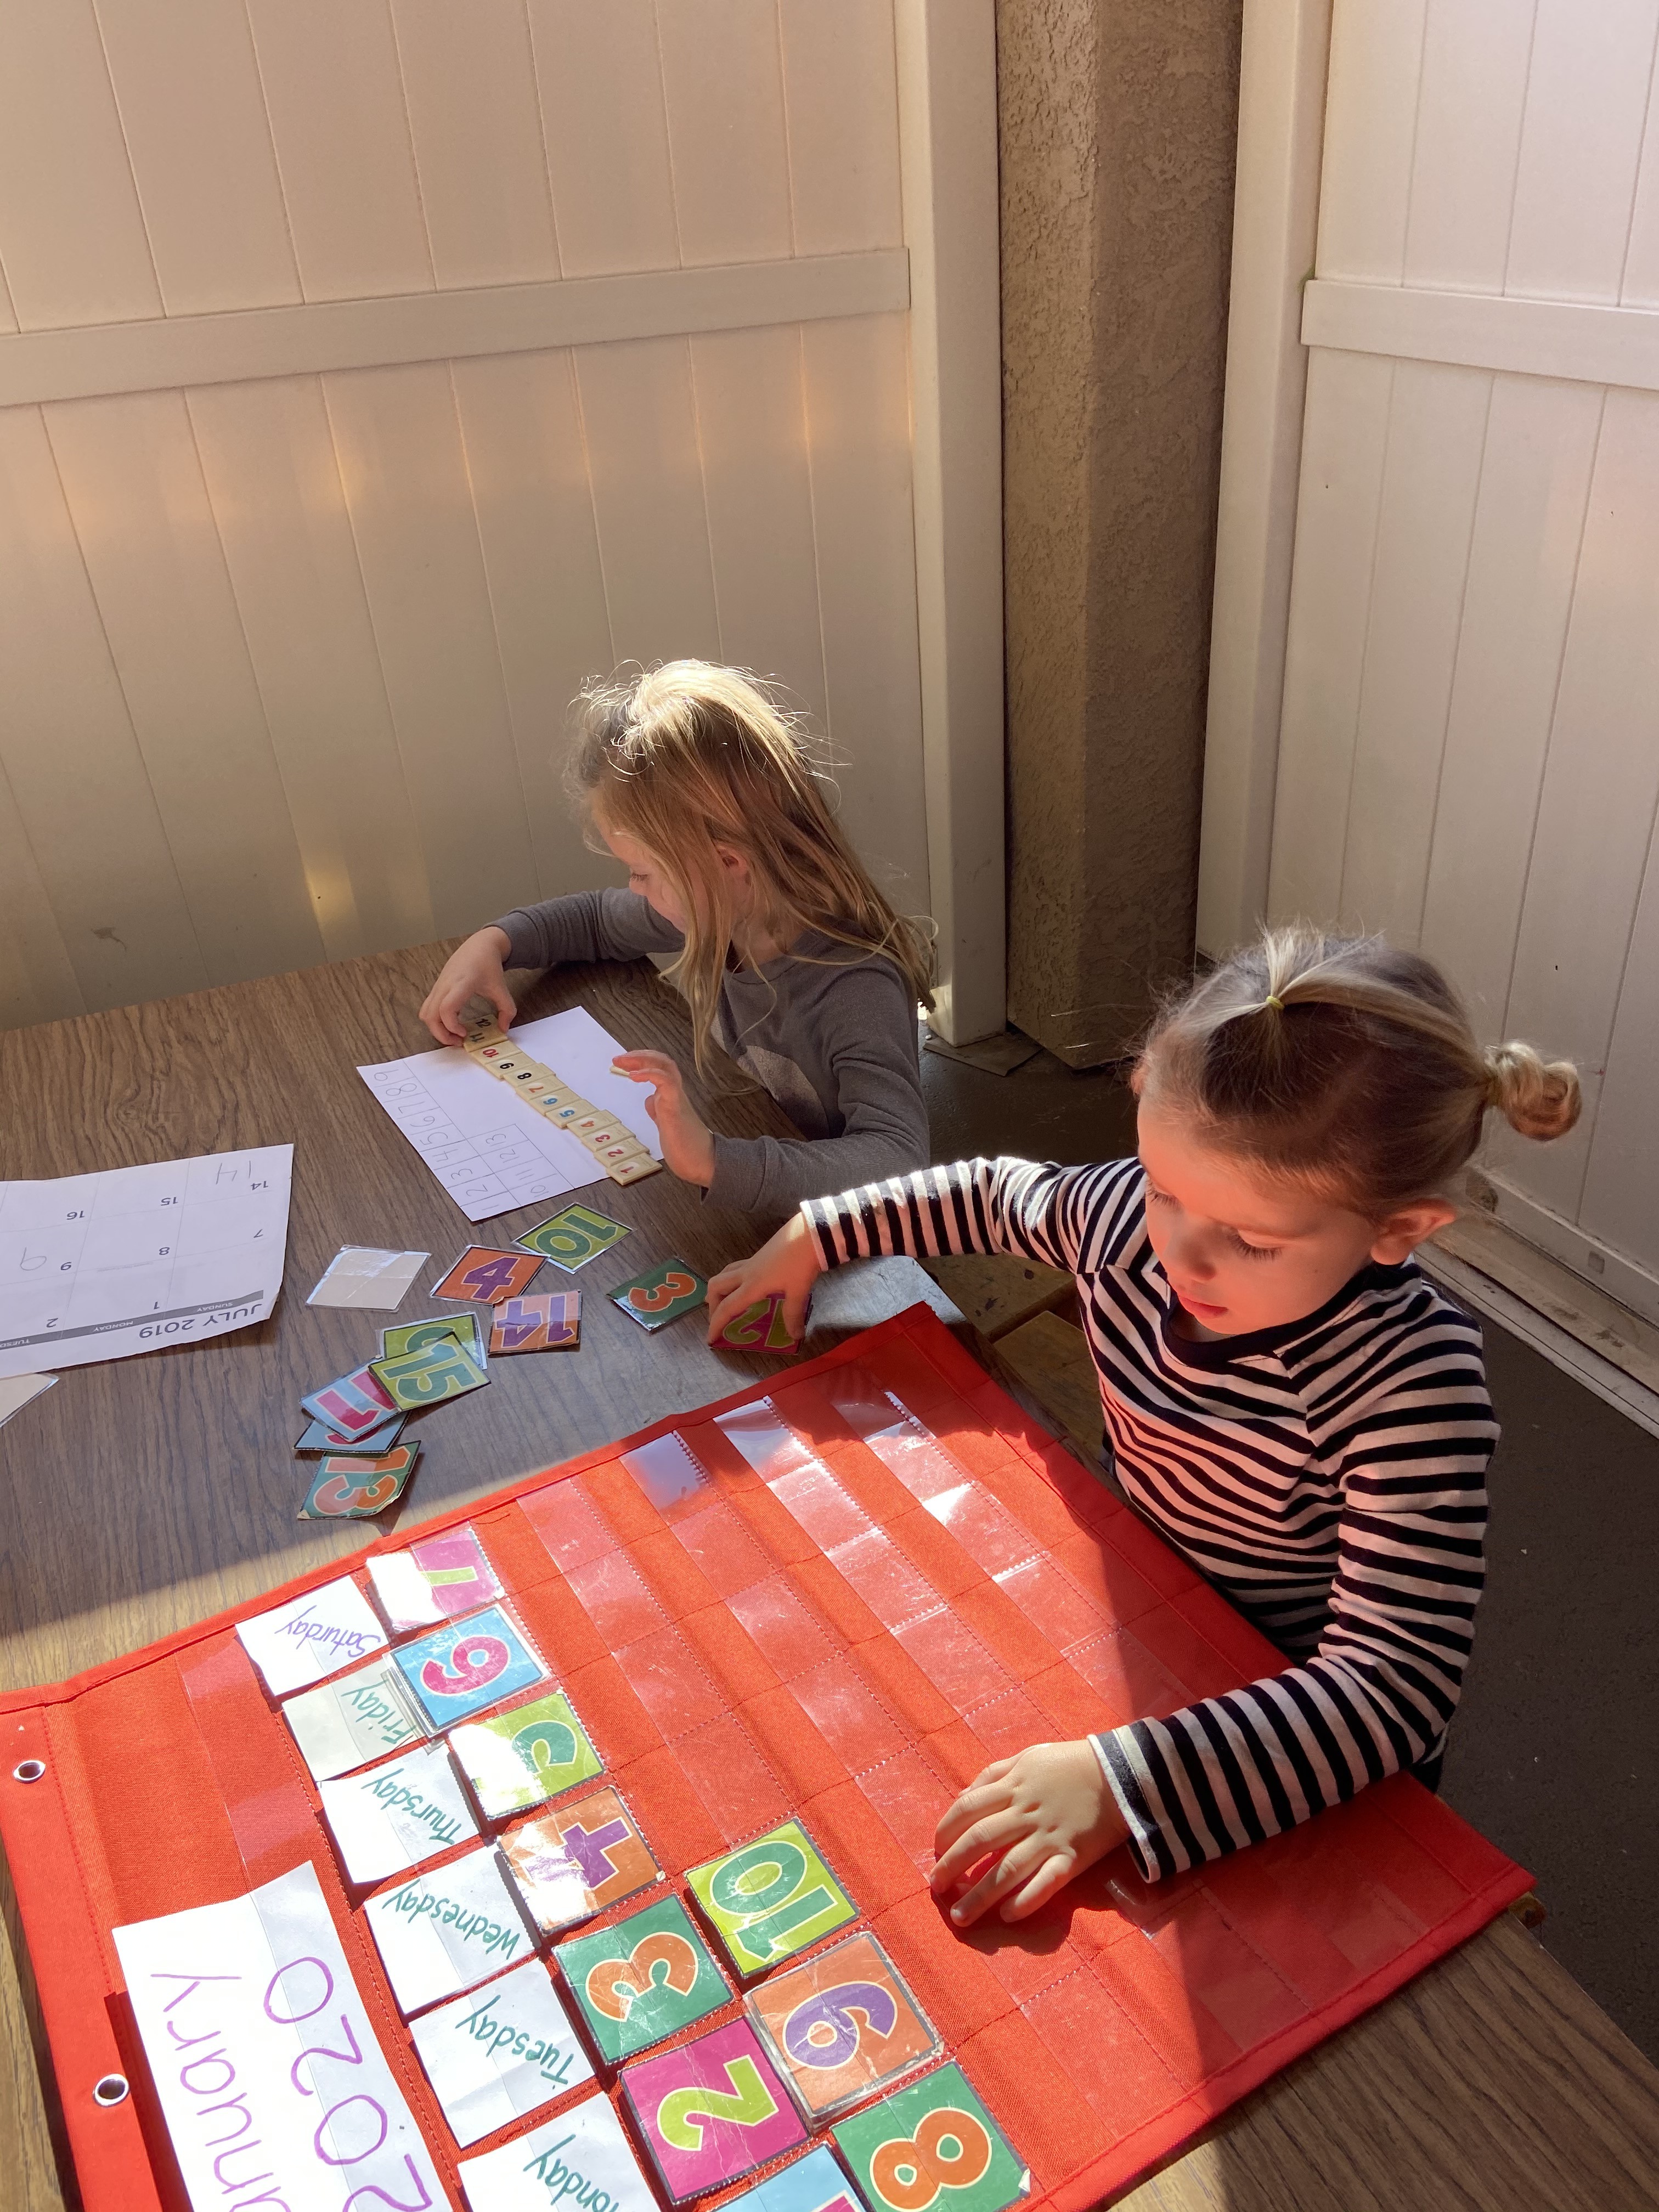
[(1273, 1000)]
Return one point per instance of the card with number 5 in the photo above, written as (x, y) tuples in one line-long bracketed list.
[(461, 1670), (488, 1274)]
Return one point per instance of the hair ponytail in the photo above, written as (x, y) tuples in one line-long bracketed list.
[(1347, 1064)]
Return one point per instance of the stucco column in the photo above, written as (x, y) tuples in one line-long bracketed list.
[(1117, 121)]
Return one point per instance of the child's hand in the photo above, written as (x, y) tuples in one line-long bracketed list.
[(473, 970), (687, 1146), (787, 1262), (1043, 1816)]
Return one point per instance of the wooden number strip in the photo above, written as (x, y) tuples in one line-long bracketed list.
[(613, 1145)]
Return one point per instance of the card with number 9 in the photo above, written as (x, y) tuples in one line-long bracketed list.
[(459, 1670)]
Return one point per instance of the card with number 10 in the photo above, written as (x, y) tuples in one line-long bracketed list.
[(573, 1238)]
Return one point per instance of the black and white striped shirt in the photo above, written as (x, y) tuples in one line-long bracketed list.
[(1328, 1475)]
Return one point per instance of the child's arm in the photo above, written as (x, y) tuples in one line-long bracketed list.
[(607, 925), (1066, 1217)]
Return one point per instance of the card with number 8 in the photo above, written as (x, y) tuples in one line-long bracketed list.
[(573, 1238), (932, 2145), (771, 1899), (459, 1670)]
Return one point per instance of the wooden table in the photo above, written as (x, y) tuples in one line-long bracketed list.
[(146, 1493)]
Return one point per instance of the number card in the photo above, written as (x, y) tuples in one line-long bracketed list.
[(396, 1815), (354, 1489), (422, 1336), (645, 1976), (576, 1862), (933, 2142), (485, 1272), (771, 1899), (311, 1635), (573, 1238), (352, 1404), (428, 1377), (522, 1757), (759, 1327), (346, 1723), (457, 1671), (319, 1439), (437, 1579), (662, 1295), (549, 1321), (447, 1929), (500, 2052), (583, 2155), (840, 2025), (812, 2183), (711, 2110)]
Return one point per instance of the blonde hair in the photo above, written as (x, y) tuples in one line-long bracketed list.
[(687, 756), (1348, 1064)]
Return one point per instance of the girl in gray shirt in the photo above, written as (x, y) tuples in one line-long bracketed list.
[(788, 954)]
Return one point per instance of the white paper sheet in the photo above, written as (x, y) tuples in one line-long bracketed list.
[(445, 1930), (312, 1636), (98, 1267), (500, 2051), (273, 2085), (579, 2155), (490, 1150), (361, 1275), (392, 1817), (344, 1724)]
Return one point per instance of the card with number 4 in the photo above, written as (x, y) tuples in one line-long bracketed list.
[(573, 1238), (346, 1488), (488, 1275)]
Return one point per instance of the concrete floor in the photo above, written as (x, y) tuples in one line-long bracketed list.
[(1552, 1755)]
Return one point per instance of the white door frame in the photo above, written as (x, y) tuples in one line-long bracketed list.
[(1284, 66)]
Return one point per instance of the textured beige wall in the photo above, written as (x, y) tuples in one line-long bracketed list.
[(1117, 125)]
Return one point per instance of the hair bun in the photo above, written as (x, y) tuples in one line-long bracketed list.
[(1539, 1097)]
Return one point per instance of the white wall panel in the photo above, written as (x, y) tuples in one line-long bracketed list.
[(1620, 1204), (1370, 129), (723, 86), (1466, 141), (1538, 451), (76, 777), (133, 483), (640, 417), (334, 93), (193, 113), (528, 472), (841, 97), (406, 488), (600, 79), (1437, 420), (470, 84), (858, 415), (269, 462), (751, 419), (1581, 144), (1640, 287), (37, 983), (1345, 448), (71, 235)]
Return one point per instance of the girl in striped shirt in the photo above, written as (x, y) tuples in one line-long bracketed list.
[(1290, 1402)]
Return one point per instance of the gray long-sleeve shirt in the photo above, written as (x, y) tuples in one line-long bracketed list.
[(833, 1038)]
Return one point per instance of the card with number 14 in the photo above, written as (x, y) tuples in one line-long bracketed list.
[(549, 1322)]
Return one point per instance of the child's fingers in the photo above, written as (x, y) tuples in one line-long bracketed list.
[(647, 1067), (1017, 1866), (988, 1834), (986, 1794), (1053, 1874), (505, 1005), (731, 1304)]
